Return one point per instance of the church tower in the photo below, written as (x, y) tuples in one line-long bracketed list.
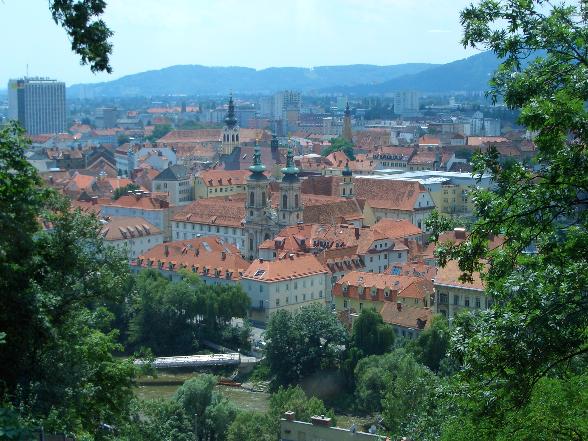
[(347, 124), (257, 222), (290, 208), (230, 130), (347, 184)]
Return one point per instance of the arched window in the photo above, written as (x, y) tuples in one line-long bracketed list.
[(237, 137), (285, 201), (233, 138), (295, 201), (343, 191), (263, 201), (252, 198)]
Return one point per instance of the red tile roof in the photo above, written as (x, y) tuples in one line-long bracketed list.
[(228, 212), (406, 317), (386, 287), (123, 227), (289, 267), (449, 276), (389, 194), (207, 256)]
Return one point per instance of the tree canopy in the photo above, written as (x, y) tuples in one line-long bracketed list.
[(537, 328), (302, 343)]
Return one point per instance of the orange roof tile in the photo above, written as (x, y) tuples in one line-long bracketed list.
[(207, 256), (289, 267), (411, 318), (123, 227), (449, 276), (389, 193)]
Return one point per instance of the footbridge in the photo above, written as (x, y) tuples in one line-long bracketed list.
[(195, 361)]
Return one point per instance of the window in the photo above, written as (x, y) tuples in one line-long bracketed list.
[(304, 297), (252, 198), (263, 201), (385, 256), (321, 293), (443, 298), (345, 303), (477, 302), (466, 301), (360, 306), (456, 299), (399, 255), (285, 201), (277, 302), (295, 201)]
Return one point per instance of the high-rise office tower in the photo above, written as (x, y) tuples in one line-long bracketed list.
[(406, 103), (38, 104)]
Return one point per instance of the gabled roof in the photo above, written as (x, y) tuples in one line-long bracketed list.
[(227, 212), (449, 276), (123, 228), (411, 318), (218, 178), (396, 228), (208, 256), (289, 267), (357, 284), (175, 172), (389, 194)]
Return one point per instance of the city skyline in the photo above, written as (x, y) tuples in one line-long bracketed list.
[(149, 35)]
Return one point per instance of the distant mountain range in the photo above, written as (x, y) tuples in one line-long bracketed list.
[(470, 74)]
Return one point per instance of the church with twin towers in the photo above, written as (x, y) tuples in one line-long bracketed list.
[(263, 219)]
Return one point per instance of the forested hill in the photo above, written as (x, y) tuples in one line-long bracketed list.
[(203, 80), (469, 74)]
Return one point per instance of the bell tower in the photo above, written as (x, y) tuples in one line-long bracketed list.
[(230, 130), (257, 220), (347, 184), (290, 203), (347, 124)]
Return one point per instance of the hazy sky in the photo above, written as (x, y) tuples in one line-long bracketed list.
[(151, 34)]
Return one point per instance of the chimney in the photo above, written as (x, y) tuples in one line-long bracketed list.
[(289, 415), (356, 233), (460, 233), (321, 421), (94, 200), (399, 305), (166, 252)]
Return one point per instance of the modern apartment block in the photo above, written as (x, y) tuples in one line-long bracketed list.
[(38, 104)]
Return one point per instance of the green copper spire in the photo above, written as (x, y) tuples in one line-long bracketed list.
[(347, 170), (290, 170), (257, 168)]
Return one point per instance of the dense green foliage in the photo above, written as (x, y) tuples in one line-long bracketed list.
[(159, 131), (340, 145), (59, 366), (431, 346), (303, 343), (170, 317), (250, 426), (535, 337), (195, 407), (88, 33), (370, 334)]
